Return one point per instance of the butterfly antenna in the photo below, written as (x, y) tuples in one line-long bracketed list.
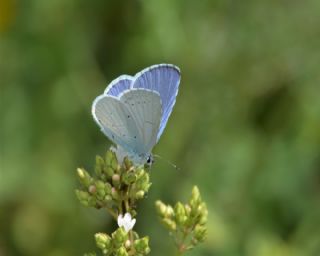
[(168, 162)]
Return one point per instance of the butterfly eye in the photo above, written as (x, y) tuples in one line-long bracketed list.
[(150, 160)]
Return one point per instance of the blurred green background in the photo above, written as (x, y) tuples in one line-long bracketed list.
[(245, 128)]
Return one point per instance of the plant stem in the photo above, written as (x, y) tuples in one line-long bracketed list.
[(181, 246), (126, 204), (181, 250)]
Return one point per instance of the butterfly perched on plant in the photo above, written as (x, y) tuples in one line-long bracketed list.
[(134, 110)]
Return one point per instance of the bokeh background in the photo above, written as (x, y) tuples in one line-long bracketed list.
[(245, 128)]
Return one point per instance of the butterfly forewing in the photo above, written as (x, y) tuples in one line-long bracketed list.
[(164, 79), (119, 85)]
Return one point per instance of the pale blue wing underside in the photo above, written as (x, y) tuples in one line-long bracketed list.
[(131, 121), (112, 117), (146, 110), (119, 85), (164, 79)]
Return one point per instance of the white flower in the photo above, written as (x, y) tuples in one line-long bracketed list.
[(127, 222)]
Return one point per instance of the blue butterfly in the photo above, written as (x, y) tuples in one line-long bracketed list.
[(134, 110)]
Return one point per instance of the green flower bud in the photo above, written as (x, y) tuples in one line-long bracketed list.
[(109, 171), (129, 178), (103, 241), (85, 203), (142, 245), (116, 180), (142, 182), (190, 216), (127, 163), (127, 244), (100, 188), (187, 209), (169, 211), (107, 188), (142, 177), (140, 172), (169, 224), (108, 198), (147, 250), (84, 177), (195, 197), (99, 184), (122, 252), (100, 165), (92, 189), (195, 194), (203, 220), (109, 156), (193, 205), (92, 201), (81, 173), (180, 213), (161, 208), (202, 207), (139, 194), (83, 197), (147, 186), (114, 164), (203, 212), (119, 236), (200, 233)]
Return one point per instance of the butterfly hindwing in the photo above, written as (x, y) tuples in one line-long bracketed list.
[(112, 117)]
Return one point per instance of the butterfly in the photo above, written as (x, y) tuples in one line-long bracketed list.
[(134, 110)]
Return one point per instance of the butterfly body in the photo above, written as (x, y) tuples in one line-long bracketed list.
[(133, 111)]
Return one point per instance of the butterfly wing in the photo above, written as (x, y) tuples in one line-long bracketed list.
[(164, 79), (119, 85), (112, 117), (146, 111)]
